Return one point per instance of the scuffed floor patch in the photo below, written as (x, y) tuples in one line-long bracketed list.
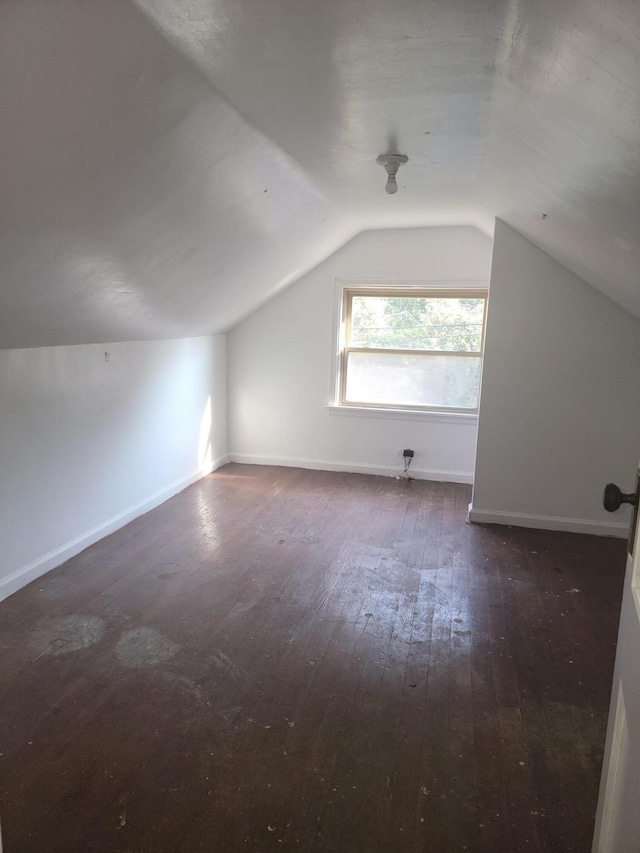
[(144, 647), (67, 634)]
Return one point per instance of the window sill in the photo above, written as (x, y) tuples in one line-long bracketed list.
[(459, 418)]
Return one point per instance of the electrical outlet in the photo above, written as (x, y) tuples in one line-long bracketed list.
[(408, 454)]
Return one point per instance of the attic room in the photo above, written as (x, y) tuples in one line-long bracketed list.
[(235, 613)]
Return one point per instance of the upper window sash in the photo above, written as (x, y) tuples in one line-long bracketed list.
[(411, 293), (463, 353)]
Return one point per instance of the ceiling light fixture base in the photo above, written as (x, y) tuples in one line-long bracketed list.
[(392, 163)]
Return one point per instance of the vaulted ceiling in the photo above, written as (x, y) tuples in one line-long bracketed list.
[(167, 165)]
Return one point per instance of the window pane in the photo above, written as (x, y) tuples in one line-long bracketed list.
[(413, 380), (417, 322)]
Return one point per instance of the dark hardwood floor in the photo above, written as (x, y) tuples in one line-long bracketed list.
[(290, 660)]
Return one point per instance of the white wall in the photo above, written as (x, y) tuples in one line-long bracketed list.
[(560, 400), (281, 365), (87, 444)]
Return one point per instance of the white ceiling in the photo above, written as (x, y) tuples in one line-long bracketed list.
[(167, 165)]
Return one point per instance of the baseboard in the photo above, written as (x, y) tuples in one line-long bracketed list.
[(353, 468), (549, 522), (217, 463), (21, 577)]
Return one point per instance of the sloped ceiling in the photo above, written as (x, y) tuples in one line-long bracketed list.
[(167, 165)]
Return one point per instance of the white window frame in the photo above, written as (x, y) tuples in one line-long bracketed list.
[(348, 289)]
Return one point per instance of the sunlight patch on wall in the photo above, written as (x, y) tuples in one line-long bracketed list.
[(205, 458)]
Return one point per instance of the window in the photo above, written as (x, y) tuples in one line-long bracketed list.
[(411, 348)]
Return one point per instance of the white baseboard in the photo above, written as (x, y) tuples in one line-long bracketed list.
[(353, 468), (21, 577), (549, 522), (217, 463)]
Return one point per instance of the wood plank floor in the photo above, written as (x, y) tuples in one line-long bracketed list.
[(290, 660)]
